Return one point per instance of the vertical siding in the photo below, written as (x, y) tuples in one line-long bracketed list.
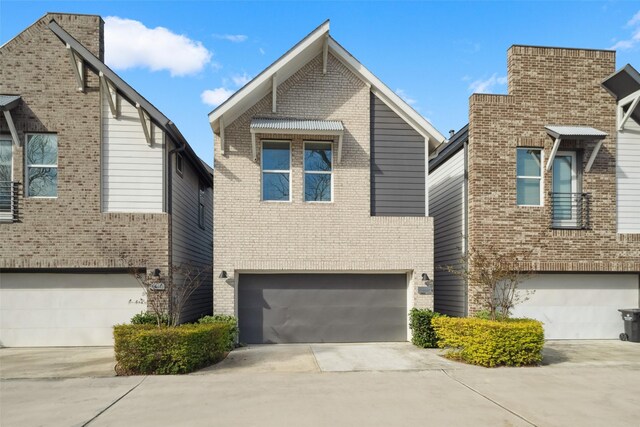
[(190, 243), (447, 206), (132, 172), (397, 164), (628, 178)]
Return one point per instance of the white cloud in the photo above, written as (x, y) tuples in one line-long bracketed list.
[(215, 97), (635, 20), (234, 38), (241, 79), (487, 85), (634, 40), (262, 51), (130, 44), (408, 99)]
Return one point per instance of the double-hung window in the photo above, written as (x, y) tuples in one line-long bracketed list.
[(276, 171), (529, 185), (318, 169), (42, 165)]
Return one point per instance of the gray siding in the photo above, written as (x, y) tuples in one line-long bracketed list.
[(447, 206), (397, 164), (190, 243)]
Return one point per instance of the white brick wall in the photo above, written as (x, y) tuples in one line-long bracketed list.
[(250, 235)]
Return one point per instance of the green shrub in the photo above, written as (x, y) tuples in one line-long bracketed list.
[(420, 323), (226, 319), (146, 318), (510, 342), (148, 349)]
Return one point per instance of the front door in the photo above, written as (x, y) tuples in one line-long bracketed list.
[(6, 176), (566, 200)]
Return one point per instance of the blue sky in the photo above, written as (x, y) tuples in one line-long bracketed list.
[(435, 54)]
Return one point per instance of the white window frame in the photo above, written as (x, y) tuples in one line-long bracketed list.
[(541, 177), (262, 170), (573, 222), (27, 166), (305, 171), (9, 139)]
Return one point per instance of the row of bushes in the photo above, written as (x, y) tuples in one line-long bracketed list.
[(480, 341), (143, 347)]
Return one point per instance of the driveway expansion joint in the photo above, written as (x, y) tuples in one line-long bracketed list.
[(489, 399), (114, 402)]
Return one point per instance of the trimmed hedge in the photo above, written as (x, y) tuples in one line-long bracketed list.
[(423, 334), (148, 349), (509, 342), (228, 320), (147, 318)]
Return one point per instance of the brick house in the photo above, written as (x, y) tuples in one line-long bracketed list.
[(321, 231), (550, 167), (89, 171)]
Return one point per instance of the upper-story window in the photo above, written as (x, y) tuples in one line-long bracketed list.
[(179, 164), (276, 171), (529, 185), (201, 206), (318, 169), (41, 165)]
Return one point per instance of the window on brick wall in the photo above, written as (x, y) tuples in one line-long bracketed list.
[(276, 171), (529, 185), (41, 161), (318, 171)]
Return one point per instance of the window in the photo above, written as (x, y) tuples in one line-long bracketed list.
[(42, 165), (179, 164), (276, 171), (317, 171), (529, 177), (201, 208)]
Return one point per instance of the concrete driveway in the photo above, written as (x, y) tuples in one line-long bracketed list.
[(56, 362), (315, 385)]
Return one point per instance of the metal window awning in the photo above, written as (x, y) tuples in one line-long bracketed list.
[(574, 133), (296, 127), (8, 103)]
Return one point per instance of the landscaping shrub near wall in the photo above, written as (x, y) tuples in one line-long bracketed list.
[(509, 342), (423, 334), (149, 349), (231, 321)]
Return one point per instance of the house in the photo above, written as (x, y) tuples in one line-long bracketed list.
[(322, 230), (553, 167), (93, 180)]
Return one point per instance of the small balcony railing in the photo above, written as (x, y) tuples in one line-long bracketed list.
[(570, 210), (9, 201)]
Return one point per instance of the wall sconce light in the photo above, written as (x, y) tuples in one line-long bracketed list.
[(223, 275), (425, 277), (156, 272)]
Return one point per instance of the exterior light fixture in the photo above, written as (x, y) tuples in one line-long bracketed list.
[(156, 272), (425, 277), (223, 275)]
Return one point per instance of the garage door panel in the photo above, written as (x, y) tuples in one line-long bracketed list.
[(579, 306), (65, 309), (275, 308)]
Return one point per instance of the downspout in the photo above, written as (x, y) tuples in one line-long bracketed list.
[(170, 207)]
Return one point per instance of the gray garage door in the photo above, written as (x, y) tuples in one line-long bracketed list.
[(297, 308)]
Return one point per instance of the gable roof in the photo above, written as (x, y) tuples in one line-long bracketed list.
[(296, 57), (132, 96), (448, 149), (623, 83)]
